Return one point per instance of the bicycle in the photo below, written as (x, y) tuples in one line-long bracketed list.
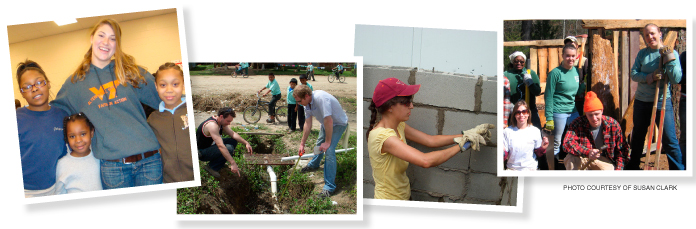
[(241, 71), (333, 76), (252, 114)]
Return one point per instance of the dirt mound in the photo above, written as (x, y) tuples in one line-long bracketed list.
[(214, 102)]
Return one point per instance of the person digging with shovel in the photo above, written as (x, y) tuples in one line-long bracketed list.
[(328, 111)]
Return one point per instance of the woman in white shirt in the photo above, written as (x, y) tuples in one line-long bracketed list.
[(522, 141)]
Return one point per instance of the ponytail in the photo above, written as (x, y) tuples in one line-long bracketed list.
[(373, 118)]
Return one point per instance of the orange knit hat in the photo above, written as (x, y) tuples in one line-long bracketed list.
[(592, 103)]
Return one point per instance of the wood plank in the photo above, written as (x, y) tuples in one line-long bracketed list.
[(554, 42), (553, 58), (615, 45), (625, 77), (604, 80), (560, 55), (543, 54), (539, 43), (631, 24), (634, 47), (670, 39), (533, 59)]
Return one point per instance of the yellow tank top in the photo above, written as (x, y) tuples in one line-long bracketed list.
[(388, 171)]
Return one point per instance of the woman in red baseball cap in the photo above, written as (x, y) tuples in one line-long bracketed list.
[(386, 140)]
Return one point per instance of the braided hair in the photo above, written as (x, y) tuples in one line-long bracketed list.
[(73, 118), (384, 108)]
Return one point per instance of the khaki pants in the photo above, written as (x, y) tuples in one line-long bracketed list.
[(573, 162)]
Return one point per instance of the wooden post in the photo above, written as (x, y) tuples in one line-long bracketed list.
[(553, 58), (634, 46), (543, 54), (625, 77), (615, 44), (533, 59)]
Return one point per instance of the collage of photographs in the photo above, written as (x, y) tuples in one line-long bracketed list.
[(140, 116)]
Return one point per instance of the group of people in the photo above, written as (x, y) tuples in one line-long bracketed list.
[(303, 104), (591, 141), (99, 113), (310, 70)]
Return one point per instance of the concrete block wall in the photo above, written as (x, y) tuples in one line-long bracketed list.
[(447, 103)]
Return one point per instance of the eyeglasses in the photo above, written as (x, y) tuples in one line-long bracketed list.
[(38, 84), (525, 111), (518, 62)]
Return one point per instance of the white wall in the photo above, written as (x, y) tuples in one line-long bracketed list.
[(457, 51), (152, 41)]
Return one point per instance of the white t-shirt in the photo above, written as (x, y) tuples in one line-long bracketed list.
[(520, 145), (78, 174)]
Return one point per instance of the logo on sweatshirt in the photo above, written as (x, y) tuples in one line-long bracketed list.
[(185, 119), (101, 91)]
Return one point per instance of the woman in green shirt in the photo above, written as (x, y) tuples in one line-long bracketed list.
[(520, 79), (561, 87)]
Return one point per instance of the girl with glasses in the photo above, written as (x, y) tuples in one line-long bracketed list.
[(40, 129)]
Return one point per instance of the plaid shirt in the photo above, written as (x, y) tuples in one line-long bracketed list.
[(579, 141)]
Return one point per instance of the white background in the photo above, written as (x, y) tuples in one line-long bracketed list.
[(242, 30)]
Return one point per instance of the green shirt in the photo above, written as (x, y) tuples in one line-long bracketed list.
[(517, 83), (291, 99), (647, 61), (274, 87), (561, 86), (310, 86)]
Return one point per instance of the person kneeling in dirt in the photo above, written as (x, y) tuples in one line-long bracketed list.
[(328, 111), (588, 134), (215, 149)]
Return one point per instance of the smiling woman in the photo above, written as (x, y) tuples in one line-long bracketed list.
[(109, 88), (386, 140)]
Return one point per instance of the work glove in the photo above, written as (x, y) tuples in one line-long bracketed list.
[(667, 54), (653, 77), (528, 78), (549, 125), (476, 136)]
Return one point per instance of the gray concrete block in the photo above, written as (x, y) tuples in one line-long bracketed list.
[(489, 95), (456, 122), (460, 161), (367, 170), (484, 187), (509, 197), (474, 201), (373, 74), (484, 160), (439, 181), (446, 90), (368, 190), (421, 196), (423, 119)]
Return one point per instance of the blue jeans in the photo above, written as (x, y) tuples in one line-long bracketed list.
[(214, 156), (641, 121), (119, 175), (330, 165), (560, 121)]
